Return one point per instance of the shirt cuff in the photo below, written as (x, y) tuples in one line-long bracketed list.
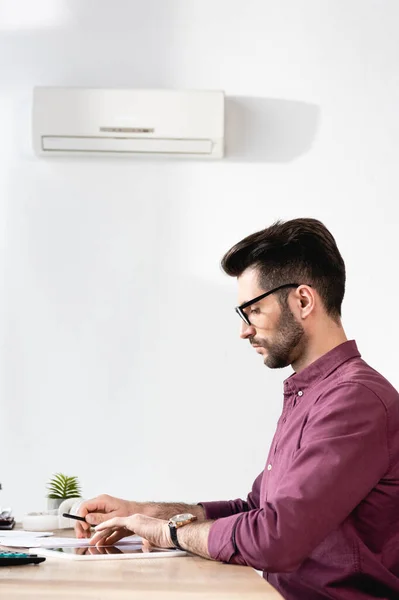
[(217, 510), (221, 540)]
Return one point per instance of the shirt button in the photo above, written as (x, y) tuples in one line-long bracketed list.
[(300, 393), (269, 467)]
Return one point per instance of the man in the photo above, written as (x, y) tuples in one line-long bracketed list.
[(322, 519)]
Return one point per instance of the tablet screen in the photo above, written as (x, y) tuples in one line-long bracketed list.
[(96, 550)]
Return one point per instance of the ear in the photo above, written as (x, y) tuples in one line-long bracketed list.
[(306, 300)]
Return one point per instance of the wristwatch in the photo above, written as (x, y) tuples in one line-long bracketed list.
[(176, 522)]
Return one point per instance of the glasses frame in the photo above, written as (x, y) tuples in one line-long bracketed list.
[(240, 309)]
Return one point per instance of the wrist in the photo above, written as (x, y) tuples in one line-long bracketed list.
[(200, 512), (167, 536), (172, 537)]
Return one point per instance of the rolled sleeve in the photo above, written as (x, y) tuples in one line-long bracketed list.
[(221, 540)]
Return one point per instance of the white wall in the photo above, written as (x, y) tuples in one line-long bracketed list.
[(117, 318)]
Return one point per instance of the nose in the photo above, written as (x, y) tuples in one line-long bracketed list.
[(246, 331)]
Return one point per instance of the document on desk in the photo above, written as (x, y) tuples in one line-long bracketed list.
[(17, 533), (24, 541)]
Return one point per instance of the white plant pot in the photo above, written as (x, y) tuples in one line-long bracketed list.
[(54, 503)]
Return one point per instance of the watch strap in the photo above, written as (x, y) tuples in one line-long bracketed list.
[(173, 536)]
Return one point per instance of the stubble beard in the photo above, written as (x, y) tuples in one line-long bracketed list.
[(288, 344)]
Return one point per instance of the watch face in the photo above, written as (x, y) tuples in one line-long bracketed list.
[(182, 517)]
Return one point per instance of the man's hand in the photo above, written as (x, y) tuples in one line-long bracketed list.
[(155, 532), (100, 509)]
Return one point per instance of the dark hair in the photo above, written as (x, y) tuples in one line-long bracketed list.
[(298, 251)]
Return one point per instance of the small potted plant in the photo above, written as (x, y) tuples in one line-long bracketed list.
[(60, 487)]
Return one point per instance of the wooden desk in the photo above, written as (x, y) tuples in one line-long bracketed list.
[(148, 579)]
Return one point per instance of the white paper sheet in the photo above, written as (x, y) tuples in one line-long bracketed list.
[(52, 542), (17, 533)]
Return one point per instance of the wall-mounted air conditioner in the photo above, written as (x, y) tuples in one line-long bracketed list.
[(126, 121)]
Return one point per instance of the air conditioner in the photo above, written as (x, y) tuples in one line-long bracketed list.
[(126, 121)]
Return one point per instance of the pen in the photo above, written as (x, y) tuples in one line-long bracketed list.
[(68, 516)]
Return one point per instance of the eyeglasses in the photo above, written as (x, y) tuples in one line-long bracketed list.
[(240, 309)]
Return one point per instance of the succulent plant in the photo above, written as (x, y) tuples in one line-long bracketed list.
[(63, 486)]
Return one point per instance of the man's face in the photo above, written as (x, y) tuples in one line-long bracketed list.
[(274, 331)]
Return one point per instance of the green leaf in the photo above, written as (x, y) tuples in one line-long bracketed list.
[(63, 486)]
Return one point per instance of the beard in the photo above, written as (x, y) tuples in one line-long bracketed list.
[(288, 343)]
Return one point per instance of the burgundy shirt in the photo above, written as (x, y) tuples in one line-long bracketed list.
[(322, 519)]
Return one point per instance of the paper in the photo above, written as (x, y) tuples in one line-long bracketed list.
[(53, 542), (17, 533)]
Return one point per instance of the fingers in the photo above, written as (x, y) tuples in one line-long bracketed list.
[(95, 518), (81, 530), (107, 529), (103, 503), (101, 537), (93, 550), (95, 511), (114, 522), (102, 550), (111, 531), (115, 536), (100, 509), (108, 537), (147, 547)]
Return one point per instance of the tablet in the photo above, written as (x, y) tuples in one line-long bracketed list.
[(121, 552)]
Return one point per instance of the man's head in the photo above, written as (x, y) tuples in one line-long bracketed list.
[(302, 256)]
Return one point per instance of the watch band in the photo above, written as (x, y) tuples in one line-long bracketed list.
[(173, 536)]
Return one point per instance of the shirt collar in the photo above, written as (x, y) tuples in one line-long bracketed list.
[(322, 367)]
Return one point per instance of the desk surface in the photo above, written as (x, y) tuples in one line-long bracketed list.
[(147, 579)]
